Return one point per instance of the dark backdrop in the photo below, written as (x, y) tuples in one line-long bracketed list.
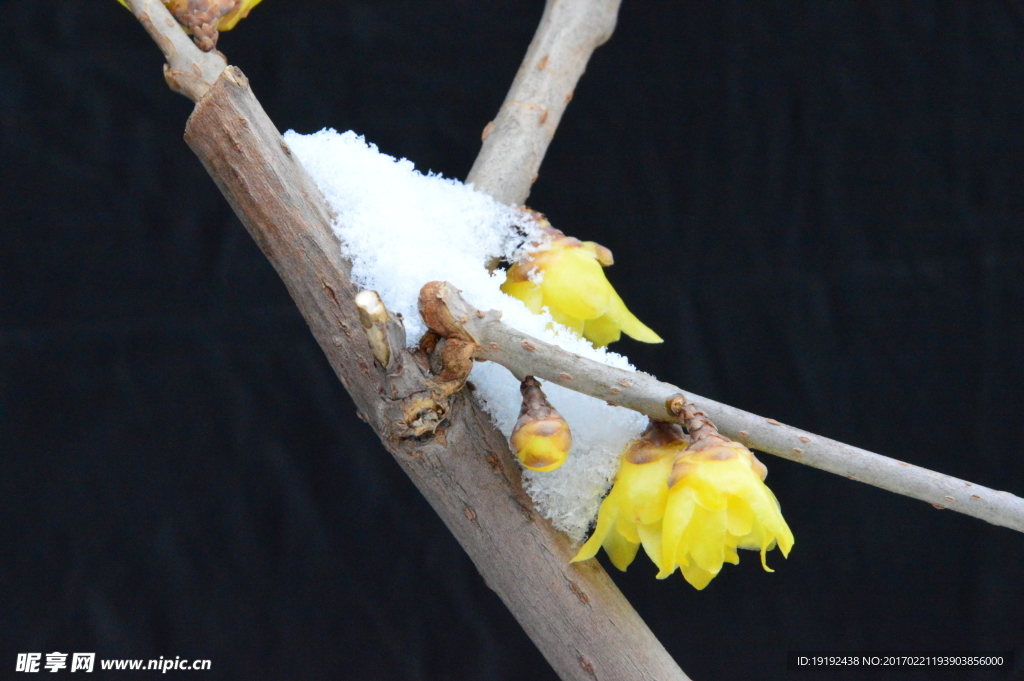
[(818, 205)]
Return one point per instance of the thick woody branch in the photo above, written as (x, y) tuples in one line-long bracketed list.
[(452, 452), (189, 71), (575, 614), (523, 354), (514, 143)]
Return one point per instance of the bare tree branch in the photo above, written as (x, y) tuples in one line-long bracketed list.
[(524, 355), (452, 452), (189, 71), (514, 143)]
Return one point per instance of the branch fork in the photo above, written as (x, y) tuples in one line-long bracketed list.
[(574, 613), (451, 451)]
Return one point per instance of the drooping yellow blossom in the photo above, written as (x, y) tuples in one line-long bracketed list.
[(632, 512), (567, 277), (717, 503), (690, 508), (205, 18), (541, 438)]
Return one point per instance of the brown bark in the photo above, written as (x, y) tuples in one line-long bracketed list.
[(189, 71), (451, 451), (515, 142)]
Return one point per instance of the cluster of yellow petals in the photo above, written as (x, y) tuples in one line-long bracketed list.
[(689, 508), (632, 512), (566, 276), (226, 23)]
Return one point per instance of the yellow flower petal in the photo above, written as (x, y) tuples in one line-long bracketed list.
[(603, 255), (621, 317), (574, 323), (642, 490), (741, 518), (526, 291), (601, 331), (697, 576), (229, 20), (678, 514), (626, 527), (650, 537), (620, 550), (606, 517), (731, 556), (574, 283), (704, 539), (717, 504)]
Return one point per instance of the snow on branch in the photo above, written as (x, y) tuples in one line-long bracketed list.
[(524, 355)]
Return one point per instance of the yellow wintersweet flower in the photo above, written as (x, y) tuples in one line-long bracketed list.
[(717, 503), (205, 18), (567, 277), (690, 508), (632, 512)]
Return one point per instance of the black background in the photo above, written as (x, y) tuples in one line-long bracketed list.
[(819, 205)]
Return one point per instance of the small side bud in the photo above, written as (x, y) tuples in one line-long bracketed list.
[(676, 404), (204, 19), (373, 317), (541, 438)]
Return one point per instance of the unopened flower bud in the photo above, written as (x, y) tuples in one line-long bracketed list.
[(541, 438), (204, 19)]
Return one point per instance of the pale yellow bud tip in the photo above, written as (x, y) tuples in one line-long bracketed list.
[(542, 445), (541, 438)]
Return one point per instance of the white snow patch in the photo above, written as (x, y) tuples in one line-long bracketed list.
[(402, 229)]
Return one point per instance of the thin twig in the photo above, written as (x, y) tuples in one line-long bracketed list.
[(525, 355), (514, 143), (189, 71)]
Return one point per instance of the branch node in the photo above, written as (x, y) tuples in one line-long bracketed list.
[(189, 71), (438, 317)]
